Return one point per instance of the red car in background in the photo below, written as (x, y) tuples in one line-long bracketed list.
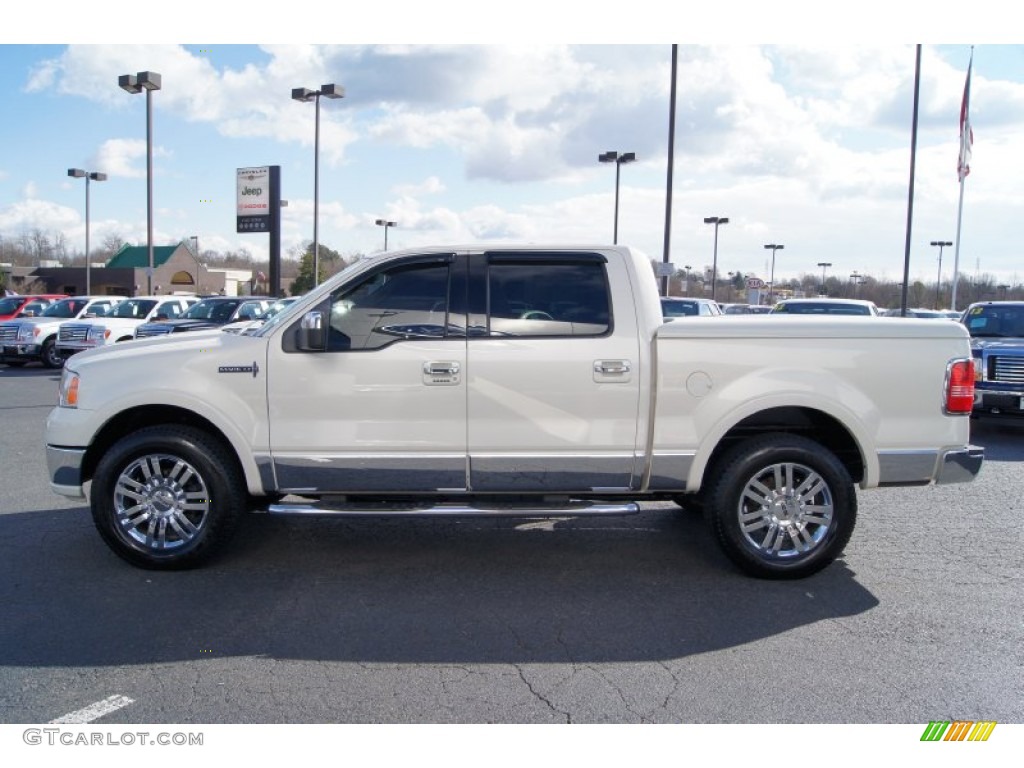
[(34, 303)]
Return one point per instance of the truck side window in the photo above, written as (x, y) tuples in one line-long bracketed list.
[(408, 301), (548, 299)]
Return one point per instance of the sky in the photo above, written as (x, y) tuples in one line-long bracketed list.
[(799, 133)]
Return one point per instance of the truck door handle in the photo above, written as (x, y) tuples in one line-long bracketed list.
[(441, 369), (612, 367)]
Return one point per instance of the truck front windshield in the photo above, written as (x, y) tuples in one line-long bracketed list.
[(135, 309), (65, 308)]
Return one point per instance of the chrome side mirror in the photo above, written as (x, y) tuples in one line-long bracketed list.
[(312, 334)]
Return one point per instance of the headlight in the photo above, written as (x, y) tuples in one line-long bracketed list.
[(68, 393), (98, 334), (979, 369), (26, 332)]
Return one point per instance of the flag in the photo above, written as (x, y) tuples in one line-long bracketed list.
[(963, 166)]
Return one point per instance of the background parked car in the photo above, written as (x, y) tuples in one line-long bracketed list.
[(916, 312), (672, 307), (997, 344), (247, 327), (34, 338), (29, 305), (825, 307), (212, 312), (120, 323)]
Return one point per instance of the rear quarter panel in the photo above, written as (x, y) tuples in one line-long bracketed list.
[(881, 378)]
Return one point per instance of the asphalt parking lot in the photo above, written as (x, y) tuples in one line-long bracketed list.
[(620, 620)]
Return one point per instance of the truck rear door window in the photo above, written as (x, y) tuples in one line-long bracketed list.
[(536, 298)]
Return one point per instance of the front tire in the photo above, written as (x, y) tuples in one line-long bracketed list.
[(781, 506), (167, 497), (49, 355)]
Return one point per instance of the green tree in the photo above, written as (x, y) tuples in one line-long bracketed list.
[(329, 263)]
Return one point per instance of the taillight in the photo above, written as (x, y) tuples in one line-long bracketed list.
[(959, 386)]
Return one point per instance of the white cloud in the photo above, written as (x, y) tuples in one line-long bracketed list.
[(120, 157), (429, 186), (31, 214)]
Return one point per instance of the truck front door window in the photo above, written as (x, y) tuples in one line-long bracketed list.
[(407, 302)]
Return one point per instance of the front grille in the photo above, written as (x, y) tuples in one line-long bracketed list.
[(143, 333), (72, 332), (8, 334), (1008, 369)]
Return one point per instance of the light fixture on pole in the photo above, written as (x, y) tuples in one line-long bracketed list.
[(938, 281), (148, 82), (78, 173), (824, 265), (385, 223), (615, 157), (331, 91), (716, 220), (773, 247)]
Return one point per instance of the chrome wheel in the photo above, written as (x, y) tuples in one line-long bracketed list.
[(785, 510), (161, 502), (782, 506)]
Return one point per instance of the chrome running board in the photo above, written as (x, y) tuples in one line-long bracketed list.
[(407, 509)]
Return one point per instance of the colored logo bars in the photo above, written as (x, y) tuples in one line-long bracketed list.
[(958, 730)]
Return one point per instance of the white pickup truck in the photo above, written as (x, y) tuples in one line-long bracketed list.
[(530, 381), (120, 324), (35, 338)]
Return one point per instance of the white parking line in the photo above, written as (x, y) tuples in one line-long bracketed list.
[(94, 711)]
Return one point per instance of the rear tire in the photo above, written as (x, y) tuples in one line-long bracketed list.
[(781, 506), (167, 497)]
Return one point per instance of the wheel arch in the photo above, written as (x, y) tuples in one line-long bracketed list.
[(133, 419), (815, 424)]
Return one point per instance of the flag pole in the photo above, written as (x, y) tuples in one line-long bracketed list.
[(963, 168), (910, 192), (956, 253)]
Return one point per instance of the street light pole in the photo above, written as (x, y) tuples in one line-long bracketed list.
[(385, 223), (824, 265), (771, 291), (78, 173), (716, 220), (615, 157), (148, 82), (938, 280), (331, 91)]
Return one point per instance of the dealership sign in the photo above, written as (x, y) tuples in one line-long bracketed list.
[(253, 199)]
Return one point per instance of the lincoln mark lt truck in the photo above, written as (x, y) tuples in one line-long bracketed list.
[(530, 381)]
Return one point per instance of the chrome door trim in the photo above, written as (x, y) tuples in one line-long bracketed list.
[(340, 473), (557, 473)]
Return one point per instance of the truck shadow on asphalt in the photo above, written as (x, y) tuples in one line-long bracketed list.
[(644, 588)]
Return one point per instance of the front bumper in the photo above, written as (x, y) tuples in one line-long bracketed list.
[(20, 352), (65, 469), (999, 401)]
